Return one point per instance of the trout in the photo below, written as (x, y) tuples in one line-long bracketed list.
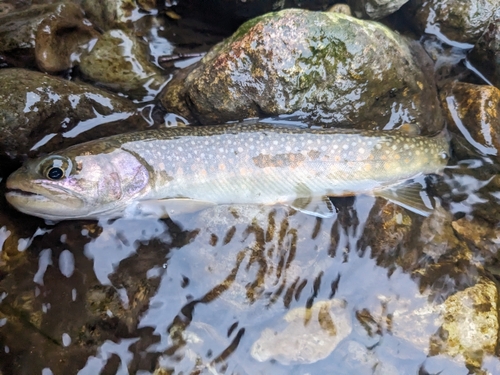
[(198, 166)]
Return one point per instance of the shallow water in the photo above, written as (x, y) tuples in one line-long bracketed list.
[(223, 291)]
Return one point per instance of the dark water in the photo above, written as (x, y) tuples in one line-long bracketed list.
[(225, 291)]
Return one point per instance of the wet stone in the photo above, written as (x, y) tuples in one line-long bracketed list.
[(459, 21), (318, 66), (120, 62), (41, 113), (111, 14), (472, 111), (309, 335), (51, 36), (486, 52), (340, 8), (375, 9)]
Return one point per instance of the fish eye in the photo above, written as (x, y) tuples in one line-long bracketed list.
[(55, 173), (55, 167), (444, 155)]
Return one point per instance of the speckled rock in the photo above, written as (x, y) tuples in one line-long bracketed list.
[(486, 52), (325, 68), (120, 62), (459, 21), (472, 110), (42, 113), (470, 326), (309, 335), (51, 36), (375, 9)]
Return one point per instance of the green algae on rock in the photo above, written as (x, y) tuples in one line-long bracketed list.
[(326, 68)]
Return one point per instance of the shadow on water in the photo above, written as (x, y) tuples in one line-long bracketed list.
[(249, 289)]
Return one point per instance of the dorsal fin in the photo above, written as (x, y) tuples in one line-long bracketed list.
[(411, 130)]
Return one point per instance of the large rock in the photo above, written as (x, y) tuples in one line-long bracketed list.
[(459, 21), (472, 110), (326, 68), (42, 113), (51, 36)]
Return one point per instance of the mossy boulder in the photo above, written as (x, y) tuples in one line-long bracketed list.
[(321, 67)]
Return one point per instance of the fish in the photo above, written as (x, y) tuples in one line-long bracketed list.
[(185, 169)]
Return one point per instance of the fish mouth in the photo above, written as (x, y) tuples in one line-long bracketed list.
[(21, 192)]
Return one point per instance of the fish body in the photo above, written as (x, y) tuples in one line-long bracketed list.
[(226, 164)]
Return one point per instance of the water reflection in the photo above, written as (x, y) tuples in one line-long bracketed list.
[(250, 289)]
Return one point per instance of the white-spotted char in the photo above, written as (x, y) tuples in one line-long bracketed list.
[(226, 164)]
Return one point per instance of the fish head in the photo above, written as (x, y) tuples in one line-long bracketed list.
[(82, 186)]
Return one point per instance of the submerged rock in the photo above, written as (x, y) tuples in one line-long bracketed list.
[(479, 234), (42, 113), (325, 68), (120, 62), (310, 334), (51, 36), (470, 326), (472, 110), (375, 9), (459, 21)]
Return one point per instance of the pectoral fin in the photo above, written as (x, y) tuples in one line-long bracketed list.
[(315, 206), (172, 208), (411, 196)]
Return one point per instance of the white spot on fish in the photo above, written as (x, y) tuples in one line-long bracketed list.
[(361, 151), (378, 146), (345, 147), (179, 148)]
